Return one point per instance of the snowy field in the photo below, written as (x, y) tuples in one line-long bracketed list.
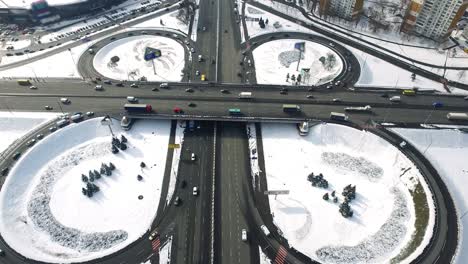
[(384, 213), (132, 65), (20, 44), (46, 217), (14, 125), (275, 59), (447, 150), (166, 21)]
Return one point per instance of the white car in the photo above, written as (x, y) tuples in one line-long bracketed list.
[(193, 157), (195, 191), (98, 87), (32, 87), (65, 100), (395, 99), (132, 99), (153, 235), (244, 235)]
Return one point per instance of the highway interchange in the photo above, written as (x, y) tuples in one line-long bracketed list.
[(206, 228)]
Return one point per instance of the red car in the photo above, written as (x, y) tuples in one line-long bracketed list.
[(177, 110)]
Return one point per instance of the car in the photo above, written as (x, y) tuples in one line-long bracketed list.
[(224, 91), (144, 33), (134, 85), (90, 113), (48, 107), (153, 235), (244, 235), (197, 73), (336, 100), (177, 110), (395, 99), (32, 87), (203, 77), (200, 58), (52, 129), (437, 104), (192, 104), (31, 142), (183, 183), (195, 191), (113, 38), (132, 99), (16, 156), (193, 157), (155, 89), (40, 136), (204, 28), (119, 84), (164, 85), (5, 171), (65, 100), (98, 88), (331, 44), (107, 81), (177, 201), (385, 95), (189, 90), (466, 97), (329, 86), (192, 50), (309, 96), (311, 89), (283, 92)]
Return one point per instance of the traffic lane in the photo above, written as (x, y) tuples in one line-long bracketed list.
[(233, 170), (229, 44), (82, 89), (220, 109)]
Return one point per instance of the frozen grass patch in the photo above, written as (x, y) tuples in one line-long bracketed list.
[(359, 165)]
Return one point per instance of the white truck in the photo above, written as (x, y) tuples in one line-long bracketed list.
[(245, 95)]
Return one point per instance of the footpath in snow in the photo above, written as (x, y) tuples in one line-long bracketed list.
[(383, 221), (45, 215)]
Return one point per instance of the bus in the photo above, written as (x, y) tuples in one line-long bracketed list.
[(338, 116), (291, 108), (457, 116), (24, 82), (408, 92), (234, 111)]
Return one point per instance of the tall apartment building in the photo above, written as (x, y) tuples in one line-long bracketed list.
[(347, 9), (434, 19)]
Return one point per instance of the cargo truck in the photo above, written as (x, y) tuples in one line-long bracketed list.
[(141, 108), (457, 116)]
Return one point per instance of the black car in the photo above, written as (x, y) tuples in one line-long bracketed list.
[(189, 90), (224, 91), (119, 84), (16, 156), (155, 89), (309, 96), (192, 104), (283, 92), (5, 171), (385, 95), (183, 183)]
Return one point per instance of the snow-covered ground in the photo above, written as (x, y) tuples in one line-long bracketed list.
[(179, 139), (60, 65), (46, 217), (263, 258), (384, 215), (165, 252), (275, 59), (447, 150), (167, 21), (132, 65), (72, 29), (14, 125), (20, 44)]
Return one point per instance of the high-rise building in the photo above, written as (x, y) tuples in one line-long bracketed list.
[(347, 9), (434, 19)]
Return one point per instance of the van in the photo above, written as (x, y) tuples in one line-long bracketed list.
[(245, 95), (395, 99), (265, 230), (132, 99)]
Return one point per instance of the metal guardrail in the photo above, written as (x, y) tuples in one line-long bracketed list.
[(213, 197)]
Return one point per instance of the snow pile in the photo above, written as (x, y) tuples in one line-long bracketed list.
[(275, 59), (131, 64), (16, 124), (169, 20), (263, 258), (179, 139), (20, 44), (165, 252), (447, 150), (252, 136), (46, 217), (383, 220)]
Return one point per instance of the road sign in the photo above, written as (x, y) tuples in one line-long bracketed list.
[(174, 146), (152, 53), (276, 192)]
